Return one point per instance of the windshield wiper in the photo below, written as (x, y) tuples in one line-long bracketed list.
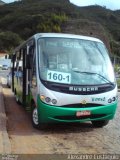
[(94, 74)]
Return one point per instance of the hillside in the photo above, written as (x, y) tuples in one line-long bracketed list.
[(22, 19)]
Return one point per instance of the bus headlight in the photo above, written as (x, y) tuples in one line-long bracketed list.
[(109, 100), (54, 101), (42, 97), (47, 99), (113, 99)]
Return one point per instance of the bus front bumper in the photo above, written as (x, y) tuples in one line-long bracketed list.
[(55, 114)]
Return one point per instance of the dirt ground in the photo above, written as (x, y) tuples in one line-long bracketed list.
[(57, 139)]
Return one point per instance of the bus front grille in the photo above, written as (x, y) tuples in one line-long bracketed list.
[(80, 105), (94, 116)]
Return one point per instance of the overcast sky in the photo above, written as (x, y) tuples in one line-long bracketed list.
[(110, 4)]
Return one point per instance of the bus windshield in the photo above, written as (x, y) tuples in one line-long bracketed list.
[(74, 61)]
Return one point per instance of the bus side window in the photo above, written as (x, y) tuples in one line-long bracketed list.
[(31, 55), (34, 78)]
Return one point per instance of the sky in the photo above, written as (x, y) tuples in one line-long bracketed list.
[(110, 4)]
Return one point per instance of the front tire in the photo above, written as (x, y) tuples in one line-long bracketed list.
[(35, 120), (100, 124), (34, 117)]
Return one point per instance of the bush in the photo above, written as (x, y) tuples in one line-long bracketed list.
[(118, 83), (9, 40)]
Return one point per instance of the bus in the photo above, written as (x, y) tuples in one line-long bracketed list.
[(64, 78)]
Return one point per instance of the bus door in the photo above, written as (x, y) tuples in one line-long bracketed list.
[(22, 75), (19, 75), (30, 74)]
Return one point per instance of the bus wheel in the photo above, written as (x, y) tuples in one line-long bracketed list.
[(35, 122), (99, 124), (34, 117)]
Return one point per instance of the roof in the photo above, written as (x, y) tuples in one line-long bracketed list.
[(62, 35), (59, 35)]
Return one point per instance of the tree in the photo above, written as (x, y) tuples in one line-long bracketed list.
[(9, 40)]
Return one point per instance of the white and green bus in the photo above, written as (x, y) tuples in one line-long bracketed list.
[(64, 78)]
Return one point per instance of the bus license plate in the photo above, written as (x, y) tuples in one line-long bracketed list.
[(83, 113)]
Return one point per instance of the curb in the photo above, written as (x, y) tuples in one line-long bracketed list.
[(4, 138)]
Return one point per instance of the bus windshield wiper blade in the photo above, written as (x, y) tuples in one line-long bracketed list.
[(96, 74)]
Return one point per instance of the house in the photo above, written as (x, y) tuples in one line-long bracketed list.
[(2, 3)]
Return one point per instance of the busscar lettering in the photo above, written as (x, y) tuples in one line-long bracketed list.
[(83, 89)]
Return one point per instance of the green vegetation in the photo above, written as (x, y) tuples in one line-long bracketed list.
[(10, 38), (118, 83), (22, 19)]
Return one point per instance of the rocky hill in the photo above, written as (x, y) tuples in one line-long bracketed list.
[(22, 19)]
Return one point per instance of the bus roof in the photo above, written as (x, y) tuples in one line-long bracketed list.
[(59, 35), (63, 35)]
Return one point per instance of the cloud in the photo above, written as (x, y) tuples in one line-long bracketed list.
[(8, 1)]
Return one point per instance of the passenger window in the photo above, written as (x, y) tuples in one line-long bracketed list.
[(31, 55), (34, 77), (32, 67)]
